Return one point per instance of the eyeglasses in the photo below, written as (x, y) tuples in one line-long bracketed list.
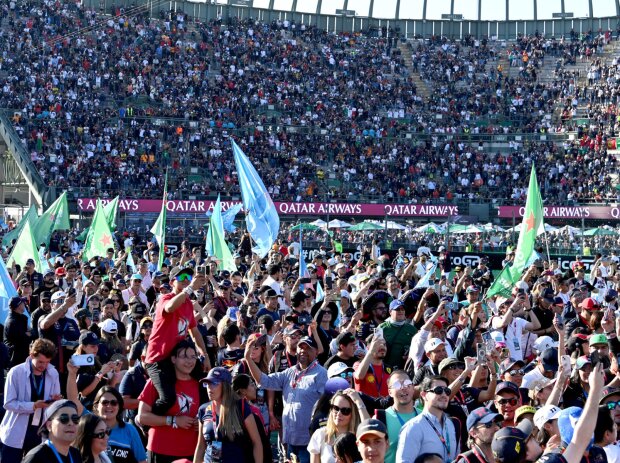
[(184, 277), (397, 385), (345, 411), (104, 290), (346, 374), (65, 418), (440, 390), (516, 372), (454, 366), (105, 403), (613, 405), (102, 434), (514, 401)]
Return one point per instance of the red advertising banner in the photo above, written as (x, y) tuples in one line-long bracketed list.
[(284, 208), (566, 212)]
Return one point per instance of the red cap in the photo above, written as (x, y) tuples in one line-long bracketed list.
[(440, 322), (60, 271), (589, 304)]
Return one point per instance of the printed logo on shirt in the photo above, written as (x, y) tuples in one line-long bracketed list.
[(185, 403), (182, 327)]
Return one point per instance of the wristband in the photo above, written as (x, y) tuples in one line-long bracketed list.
[(174, 422), (189, 291), (168, 421)]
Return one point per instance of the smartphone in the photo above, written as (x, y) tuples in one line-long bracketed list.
[(560, 321), (328, 283), (83, 360), (481, 353), (304, 280), (595, 358), (207, 270), (201, 269), (208, 297), (608, 315), (378, 332), (566, 364), (488, 340)]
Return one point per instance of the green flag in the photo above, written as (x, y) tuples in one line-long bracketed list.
[(502, 285), (56, 217), (216, 241), (99, 238), (159, 229), (25, 248), (111, 210), (531, 224), (30, 216)]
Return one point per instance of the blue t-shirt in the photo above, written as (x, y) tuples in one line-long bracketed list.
[(125, 444), (132, 385), (231, 451)]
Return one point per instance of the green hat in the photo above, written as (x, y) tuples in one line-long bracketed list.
[(597, 339)]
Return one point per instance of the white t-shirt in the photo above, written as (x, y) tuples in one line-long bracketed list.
[(613, 453), (513, 336), (318, 446)]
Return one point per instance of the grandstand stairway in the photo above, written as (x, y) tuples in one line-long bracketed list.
[(423, 89)]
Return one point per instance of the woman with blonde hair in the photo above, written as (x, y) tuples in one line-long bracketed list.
[(347, 411), (226, 424)]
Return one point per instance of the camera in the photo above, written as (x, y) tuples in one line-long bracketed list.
[(83, 360)]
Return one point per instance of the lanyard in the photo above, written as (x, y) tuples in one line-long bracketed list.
[(41, 387), (299, 375), (288, 360), (216, 426), (400, 418), (445, 443), (461, 401), (377, 383), (58, 457)]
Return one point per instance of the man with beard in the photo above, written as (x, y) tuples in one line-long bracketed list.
[(301, 387), (44, 309), (403, 392), (48, 285), (371, 375), (432, 431), (482, 424)]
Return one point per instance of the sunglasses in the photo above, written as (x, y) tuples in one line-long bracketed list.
[(64, 418), (346, 374), (490, 424), (440, 390), (613, 405), (346, 411), (184, 277), (516, 372), (112, 402), (397, 386), (512, 401), (102, 434), (147, 325)]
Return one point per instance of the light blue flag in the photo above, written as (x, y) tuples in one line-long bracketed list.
[(320, 295), (130, 261), (303, 268), (7, 291), (424, 281), (228, 217), (262, 218)]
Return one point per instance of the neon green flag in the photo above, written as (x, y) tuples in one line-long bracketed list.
[(30, 216), (56, 217), (159, 229), (25, 248), (502, 285), (99, 237), (111, 210), (217, 243)]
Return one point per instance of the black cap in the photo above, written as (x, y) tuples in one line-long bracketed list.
[(15, 301), (509, 443), (53, 409), (308, 340), (371, 426), (549, 359), (88, 338), (175, 272), (46, 296)]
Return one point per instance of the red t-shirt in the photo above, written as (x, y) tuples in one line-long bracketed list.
[(375, 383), (167, 440), (169, 328)]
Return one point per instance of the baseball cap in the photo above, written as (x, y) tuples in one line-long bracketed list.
[(509, 443), (549, 359), (524, 410), (83, 313), (261, 339), (582, 362), (432, 344), (335, 369), (299, 296), (340, 265), (88, 338), (396, 304), (336, 384), (15, 301), (309, 341), (225, 284), (136, 276), (482, 415), (472, 289), (53, 409), (371, 426), (146, 320), (60, 271), (507, 386), (292, 329), (271, 293), (232, 313), (109, 326), (543, 343), (58, 295), (589, 304), (449, 361), (508, 365), (46, 296), (544, 414), (610, 391), (176, 271), (597, 339), (217, 376)]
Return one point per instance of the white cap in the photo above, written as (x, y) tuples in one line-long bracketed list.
[(432, 344), (335, 369), (522, 285), (441, 249), (544, 414), (340, 265), (345, 293), (544, 342), (331, 262), (109, 326), (58, 295), (59, 260)]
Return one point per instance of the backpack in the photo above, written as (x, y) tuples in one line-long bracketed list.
[(264, 437)]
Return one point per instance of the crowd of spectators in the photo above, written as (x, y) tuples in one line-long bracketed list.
[(107, 103)]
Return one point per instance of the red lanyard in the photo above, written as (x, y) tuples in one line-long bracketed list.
[(299, 375), (288, 359), (214, 420)]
